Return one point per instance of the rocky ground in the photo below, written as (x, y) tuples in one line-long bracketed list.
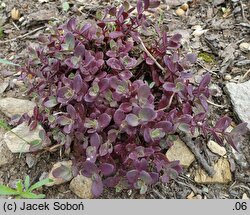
[(217, 31)]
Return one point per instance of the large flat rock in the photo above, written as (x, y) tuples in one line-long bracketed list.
[(17, 144), (240, 98), (222, 174), (12, 106), (179, 151)]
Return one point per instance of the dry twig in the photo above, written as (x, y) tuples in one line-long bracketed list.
[(216, 105), (243, 12), (151, 56), (185, 138), (23, 36)]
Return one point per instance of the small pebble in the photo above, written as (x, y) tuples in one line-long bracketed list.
[(227, 77), (180, 12), (15, 14), (245, 47), (244, 196), (30, 160), (21, 19), (184, 7)]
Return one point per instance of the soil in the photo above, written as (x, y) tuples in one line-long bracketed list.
[(226, 30)]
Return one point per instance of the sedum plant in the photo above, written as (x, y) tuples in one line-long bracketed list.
[(116, 103)]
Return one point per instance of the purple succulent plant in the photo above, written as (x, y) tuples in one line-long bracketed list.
[(114, 109)]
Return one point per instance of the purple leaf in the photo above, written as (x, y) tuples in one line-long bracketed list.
[(132, 176), (128, 62), (64, 94), (95, 140), (97, 186), (154, 3), (51, 102), (63, 120), (104, 149), (115, 34), (126, 107), (62, 172), (176, 38), (71, 24), (85, 28), (139, 7), (112, 11), (120, 12), (77, 83), (165, 125), (89, 169), (107, 169), (146, 177), (104, 120), (119, 116), (71, 111), (114, 63), (144, 91), (223, 123), (132, 120), (192, 58), (147, 114), (79, 51), (69, 41), (205, 81), (146, 4), (91, 153)]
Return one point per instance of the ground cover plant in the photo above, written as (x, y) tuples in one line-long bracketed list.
[(116, 103)]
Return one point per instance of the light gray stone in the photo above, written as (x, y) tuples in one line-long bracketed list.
[(174, 3), (245, 47), (179, 151), (6, 156), (16, 144), (12, 106), (81, 186), (3, 86), (240, 97), (216, 148), (30, 160)]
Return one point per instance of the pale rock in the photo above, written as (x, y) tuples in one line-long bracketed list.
[(43, 1), (240, 98), (3, 86), (222, 173), (6, 156), (12, 106), (174, 3), (16, 144), (191, 195), (216, 148), (245, 47), (244, 196), (179, 151), (180, 12), (57, 181), (198, 31), (81, 186), (30, 160)]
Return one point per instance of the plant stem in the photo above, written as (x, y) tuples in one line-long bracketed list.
[(151, 56), (187, 139)]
